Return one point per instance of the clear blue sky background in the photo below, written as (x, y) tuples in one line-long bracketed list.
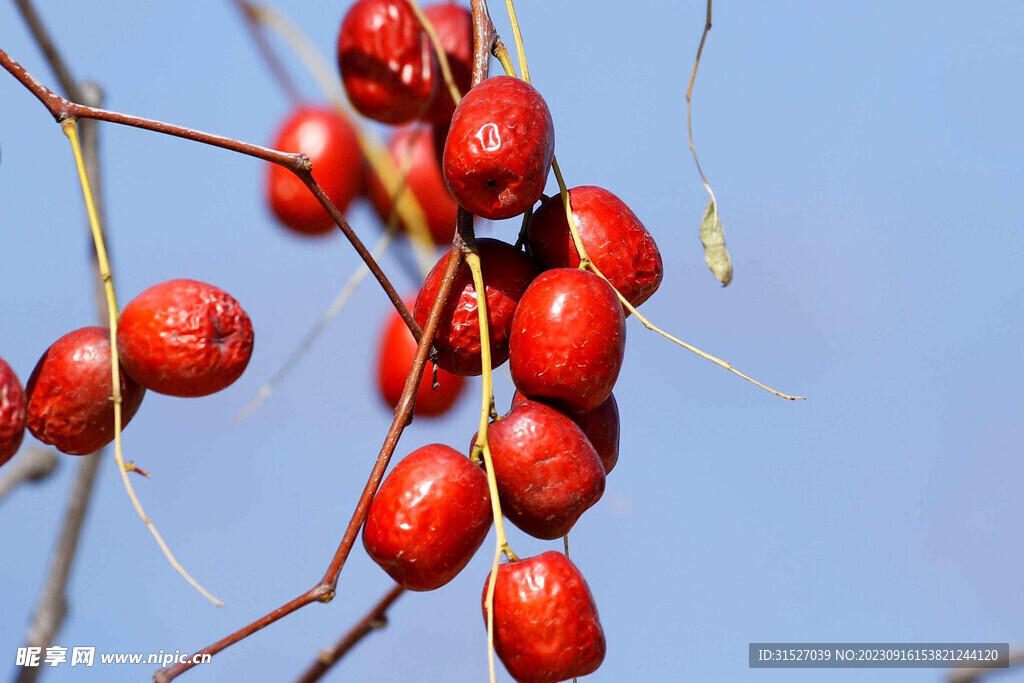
[(866, 156)]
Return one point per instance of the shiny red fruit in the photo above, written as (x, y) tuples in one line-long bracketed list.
[(12, 412), (568, 339), (395, 356), (601, 425), (499, 148), (546, 626), (387, 64), (507, 272), (548, 472), (454, 26), (429, 517), (615, 240), (70, 403), (412, 150), (184, 338), (331, 144)]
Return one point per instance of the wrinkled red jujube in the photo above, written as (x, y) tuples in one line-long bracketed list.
[(429, 517), (184, 338), (70, 402)]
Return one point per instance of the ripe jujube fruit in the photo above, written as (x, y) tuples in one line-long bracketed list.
[(568, 339), (12, 412), (546, 626), (615, 240), (70, 398), (184, 338), (412, 151), (547, 471), (499, 148), (507, 273), (395, 356), (429, 517), (454, 26), (332, 146), (601, 425), (387, 64)]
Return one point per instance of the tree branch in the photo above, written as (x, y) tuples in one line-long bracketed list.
[(484, 37), (52, 604), (61, 109), (374, 620), (34, 464), (974, 675)]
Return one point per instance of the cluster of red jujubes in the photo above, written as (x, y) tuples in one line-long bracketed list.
[(561, 328), (391, 75), (180, 337)]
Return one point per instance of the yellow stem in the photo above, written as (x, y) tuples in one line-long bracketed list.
[(481, 446), (442, 57), (375, 152), (584, 258), (70, 128), (518, 36)]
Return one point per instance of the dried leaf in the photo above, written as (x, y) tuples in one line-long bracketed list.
[(713, 239)]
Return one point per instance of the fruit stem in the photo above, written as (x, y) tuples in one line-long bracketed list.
[(376, 153), (442, 57), (501, 52), (70, 128), (318, 327), (517, 34), (482, 447)]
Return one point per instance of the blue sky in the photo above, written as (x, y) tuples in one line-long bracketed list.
[(866, 158)]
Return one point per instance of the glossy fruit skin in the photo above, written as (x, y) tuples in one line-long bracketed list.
[(548, 472), (430, 516), (507, 273), (70, 405), (499, 148), (12, 412), (546, 626), (184, 338), (397, 350), (615, 240), (601, 425), (568, 339), (331, 144), (412, 149), (454, 26), (387, 65)]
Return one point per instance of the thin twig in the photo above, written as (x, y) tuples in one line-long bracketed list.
[(277, 70), (374, 620), (689, 96), (32, 465), (324, 590), (315, 331), (62, 109), (973, 675), (52, 604)]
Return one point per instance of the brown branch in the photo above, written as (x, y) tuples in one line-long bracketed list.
[(52, 604), (34, 464), (973, 675), (324, 591), (374, 620), (61, 109)]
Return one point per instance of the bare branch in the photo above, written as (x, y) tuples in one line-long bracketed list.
[(34, 464), (974, 675), (62, 109), (484, 37), (374, 620)]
